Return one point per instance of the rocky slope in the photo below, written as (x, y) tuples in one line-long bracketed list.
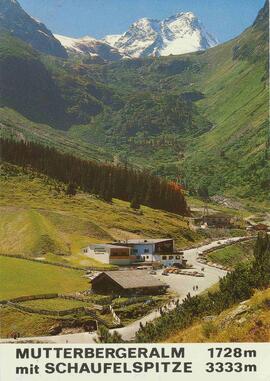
[(91, 47), (16, 21)]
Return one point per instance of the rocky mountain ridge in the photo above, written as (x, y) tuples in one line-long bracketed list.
[(14, 20)]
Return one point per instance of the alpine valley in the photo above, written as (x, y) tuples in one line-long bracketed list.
[(198, 118)]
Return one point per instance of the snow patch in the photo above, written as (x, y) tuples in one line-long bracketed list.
[(112, 39)]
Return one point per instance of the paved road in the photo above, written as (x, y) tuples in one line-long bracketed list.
[(182, 285)]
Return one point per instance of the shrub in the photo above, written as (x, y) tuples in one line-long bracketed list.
[(209, 329)]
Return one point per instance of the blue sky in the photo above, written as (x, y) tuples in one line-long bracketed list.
[(225, 19)]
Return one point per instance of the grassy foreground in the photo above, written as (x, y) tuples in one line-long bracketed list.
[(21, 277), (27, 324)]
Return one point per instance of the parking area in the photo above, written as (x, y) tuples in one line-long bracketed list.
[(184, 284)]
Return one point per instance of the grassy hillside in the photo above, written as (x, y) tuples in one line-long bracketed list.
[(232, 255), (15, 126), (46, 89), (247, 322), (48, 223), (20, 277), (234, 154)]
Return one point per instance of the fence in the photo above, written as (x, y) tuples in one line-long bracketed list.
[(15, 303), (79, 310), (29, 297), (92, 268)]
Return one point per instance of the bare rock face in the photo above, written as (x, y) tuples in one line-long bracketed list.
[(14, 20), (237, 315)]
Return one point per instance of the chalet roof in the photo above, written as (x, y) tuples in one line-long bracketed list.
[(128, 279)]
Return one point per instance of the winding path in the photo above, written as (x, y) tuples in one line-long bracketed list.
[(180, 284)]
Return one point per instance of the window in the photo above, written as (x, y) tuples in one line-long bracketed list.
[(177, 257), (147, 257), (146, 250), (170, 256), (121, 253), (164, 257)]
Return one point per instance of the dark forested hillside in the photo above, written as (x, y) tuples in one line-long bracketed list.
[(104, 180), (26, 85)]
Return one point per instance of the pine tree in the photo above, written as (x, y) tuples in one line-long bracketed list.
[(71, 189), (135, 203), (261, 265)]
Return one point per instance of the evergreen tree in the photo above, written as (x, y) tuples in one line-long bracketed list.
[(71, 189), (261, 265), (135, 203), (104, 336)]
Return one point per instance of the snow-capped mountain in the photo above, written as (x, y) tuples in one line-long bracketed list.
[(179, 34), (90, 46), (14, 20)]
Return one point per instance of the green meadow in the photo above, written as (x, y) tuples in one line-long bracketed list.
[(55, 304), (20, 277), (233, 255)]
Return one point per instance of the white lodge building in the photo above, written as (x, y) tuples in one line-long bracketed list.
[(155, 250), (110, 254), (136, 250)]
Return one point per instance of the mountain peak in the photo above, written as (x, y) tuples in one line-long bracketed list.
[(177, 34), (188, 15)]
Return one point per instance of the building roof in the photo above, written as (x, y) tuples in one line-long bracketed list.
[(146, 240), (108, 245), (133, 279)]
